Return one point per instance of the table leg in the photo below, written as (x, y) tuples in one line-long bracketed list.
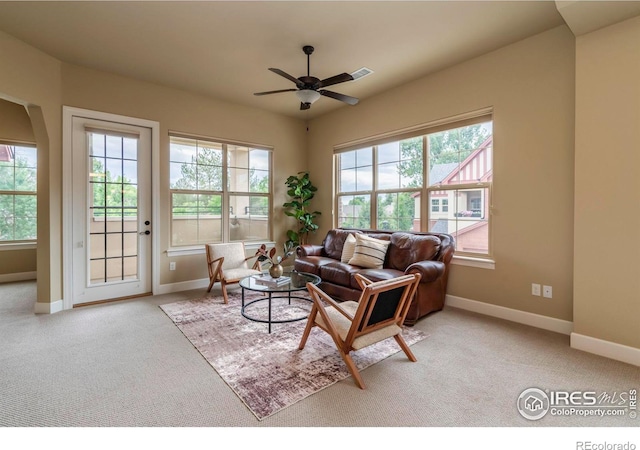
[(269, 312)]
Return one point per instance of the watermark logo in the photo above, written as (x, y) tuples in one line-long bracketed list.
[(534, 403)]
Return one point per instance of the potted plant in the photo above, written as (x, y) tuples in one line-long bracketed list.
[(301, 191), (264, 255)]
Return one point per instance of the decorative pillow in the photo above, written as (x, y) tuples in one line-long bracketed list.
[(369, 252), (348, 248)]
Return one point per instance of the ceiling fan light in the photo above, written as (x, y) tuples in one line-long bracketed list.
[(308, 95)]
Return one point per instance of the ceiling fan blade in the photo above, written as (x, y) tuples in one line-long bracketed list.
[(287, 76), (341, 97), (304, 106), (275, 92), (335, 80)]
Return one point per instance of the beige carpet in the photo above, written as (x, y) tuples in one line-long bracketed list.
[(266, 370)]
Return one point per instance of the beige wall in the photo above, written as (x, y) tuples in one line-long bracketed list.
[(530, 85), (607, 188), (15, 126), (190, 113), (32, 78)]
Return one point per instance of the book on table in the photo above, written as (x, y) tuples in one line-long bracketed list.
[(268, 280)]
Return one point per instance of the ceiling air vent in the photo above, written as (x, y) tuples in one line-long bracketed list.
[(361, 73)]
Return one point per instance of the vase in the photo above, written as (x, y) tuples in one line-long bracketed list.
[(275, 271)]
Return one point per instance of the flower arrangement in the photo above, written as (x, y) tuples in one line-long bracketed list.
[(270, 256)]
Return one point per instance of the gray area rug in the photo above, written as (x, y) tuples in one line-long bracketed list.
[(267, 371)]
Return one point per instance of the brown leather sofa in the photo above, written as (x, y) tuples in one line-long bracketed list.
[(428, 254)]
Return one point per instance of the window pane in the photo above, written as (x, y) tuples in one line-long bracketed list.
[(114, 169), (7, 178), (114, 147), (249, 218), (130, 171), (354, 211), (388, 176), (388, 152), (209, 178), (461, 155), (195, 164), (130, 149), (18, 176), (96, 144), (356, 171), (397, 211), (348, 180), (467, 219), (347, 160), (196, 218), (238, 180), (400, 164), (259, 159)]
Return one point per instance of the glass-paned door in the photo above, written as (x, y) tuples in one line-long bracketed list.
[(111, 210)]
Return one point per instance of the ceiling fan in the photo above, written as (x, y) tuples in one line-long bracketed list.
[(309, 89)]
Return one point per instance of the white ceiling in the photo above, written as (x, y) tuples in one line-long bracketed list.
[(223, 49)]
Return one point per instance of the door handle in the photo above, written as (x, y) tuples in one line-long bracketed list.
[(145, 232)]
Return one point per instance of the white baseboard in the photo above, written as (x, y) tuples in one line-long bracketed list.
[(21, 276), (608, 349), (514, 315), (49, 308), (202, 283)]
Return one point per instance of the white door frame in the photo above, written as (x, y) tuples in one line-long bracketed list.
[(68, 113)]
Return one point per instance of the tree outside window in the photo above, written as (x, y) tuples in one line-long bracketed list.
[(18, 198)]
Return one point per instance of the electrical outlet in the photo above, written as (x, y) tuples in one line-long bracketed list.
[(535, 289), (172, 265), (547, 291)]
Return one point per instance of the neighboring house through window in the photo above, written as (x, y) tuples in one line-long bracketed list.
[(18, 193), (380, 183), (220, 191)]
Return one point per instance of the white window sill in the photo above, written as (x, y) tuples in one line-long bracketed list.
[(199, 249), (468, 261), (18, 246)]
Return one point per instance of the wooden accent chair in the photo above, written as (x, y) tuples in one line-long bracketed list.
[(378, 315), (227, 264)]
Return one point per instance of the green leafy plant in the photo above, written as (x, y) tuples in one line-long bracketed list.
[(301, 191), (270, 255)]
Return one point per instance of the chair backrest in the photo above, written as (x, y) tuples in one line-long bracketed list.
[(383, 303), (233, 253)]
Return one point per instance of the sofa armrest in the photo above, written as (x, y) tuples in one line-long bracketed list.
[(309, 250), (430, 270)]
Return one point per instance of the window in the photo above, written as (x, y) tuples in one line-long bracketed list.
[(18, 198), (448, 167), (220, 192)]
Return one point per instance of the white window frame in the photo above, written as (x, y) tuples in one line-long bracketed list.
[(226, 194), (464, 258), (25, 244)]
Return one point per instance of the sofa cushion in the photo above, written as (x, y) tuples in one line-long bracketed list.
[(312, 264), (337, 273), (348, 249), (369, 252), (407, 248), (334, 242)]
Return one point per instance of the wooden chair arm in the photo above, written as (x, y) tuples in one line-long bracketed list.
[(332, 302)]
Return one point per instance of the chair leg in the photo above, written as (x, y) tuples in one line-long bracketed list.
[(307, 330), (224, 291), (353, 369), (211, 284), (405, 348)]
